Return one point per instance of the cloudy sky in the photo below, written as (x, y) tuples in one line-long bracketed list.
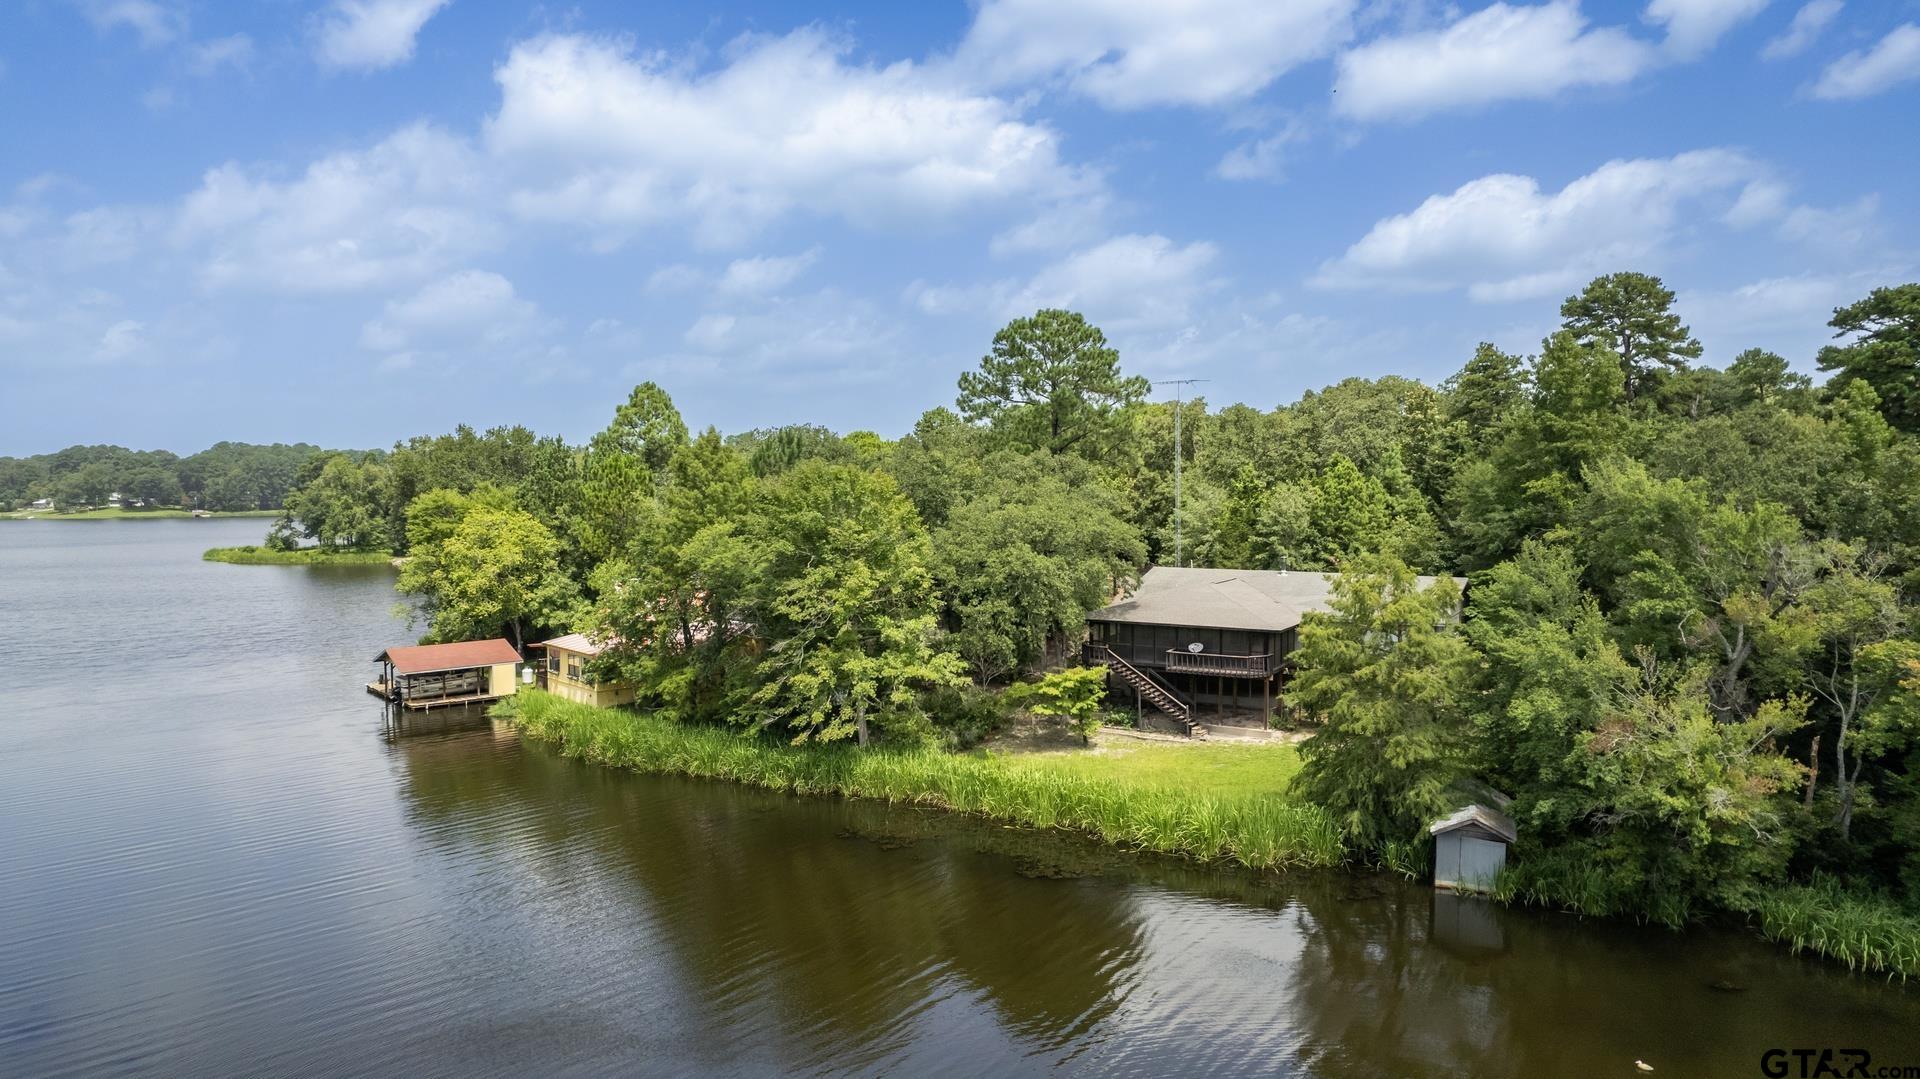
[(356, 220)]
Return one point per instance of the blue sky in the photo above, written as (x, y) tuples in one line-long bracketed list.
[(350, 221)]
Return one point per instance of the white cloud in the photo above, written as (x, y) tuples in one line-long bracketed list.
[(371, 34), (766, 273), (1896, 59), (1126, 283), (1761, 201), (404, 209), (104, 234), (1787, 314), (1126, 54), (1840, 229), (469, 306), (1064, 224), (1502, 238), (153, 23), (796, 343), (609, 140), (207, 57), (1257, 159), (120, 340), (1695, 26), (1499, 53), (676, 277), (1808, 22)]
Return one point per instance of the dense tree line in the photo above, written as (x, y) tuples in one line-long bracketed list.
[(227, 476), (1688, 649)]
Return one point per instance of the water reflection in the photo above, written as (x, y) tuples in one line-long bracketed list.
[(831, 936)]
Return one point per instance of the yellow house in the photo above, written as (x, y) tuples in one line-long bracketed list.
[(566, 672)]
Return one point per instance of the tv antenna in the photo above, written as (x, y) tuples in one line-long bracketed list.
[(1177, 384)]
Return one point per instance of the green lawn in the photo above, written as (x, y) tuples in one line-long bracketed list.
[(1210, 768)]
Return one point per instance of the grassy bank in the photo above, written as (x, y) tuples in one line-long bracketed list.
[(1131, 806), (1210, 803), (115, 514), (304, 556), (1864, 932)]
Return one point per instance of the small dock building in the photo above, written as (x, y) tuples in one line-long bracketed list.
[(423, 676)]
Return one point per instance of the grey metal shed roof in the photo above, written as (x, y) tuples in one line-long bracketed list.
[(1250, 599), (1491, 819)]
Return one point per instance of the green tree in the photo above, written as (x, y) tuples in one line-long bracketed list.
[(1350, 514), (344, 505), (672, 604), (1694, 578), (1050, 382), (836, 569), (1632, 314), (1075, 694), (1386, 673), (1863, 654), (1483, 393), (1884, 351), (1021, 560), (1764, 378), (1551, 675), (647, 427), (1678, 807), (495, 572)]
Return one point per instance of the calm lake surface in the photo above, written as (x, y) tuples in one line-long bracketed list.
[(213, 862)]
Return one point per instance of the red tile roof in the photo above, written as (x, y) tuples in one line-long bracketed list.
[(428, 658)]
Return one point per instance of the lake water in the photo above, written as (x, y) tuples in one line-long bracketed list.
[(213, 861)]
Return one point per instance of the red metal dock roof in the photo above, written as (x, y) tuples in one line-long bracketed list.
[(428, 658)]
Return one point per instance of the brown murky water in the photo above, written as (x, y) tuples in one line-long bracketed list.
[(213, 863)]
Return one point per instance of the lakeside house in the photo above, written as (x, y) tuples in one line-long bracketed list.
[(422, 676), (1189, 637), (567, 672)]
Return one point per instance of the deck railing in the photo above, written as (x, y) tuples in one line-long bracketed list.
[(1219, 663), (1176, 659)]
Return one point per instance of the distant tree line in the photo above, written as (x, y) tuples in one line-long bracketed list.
[(227, 476)]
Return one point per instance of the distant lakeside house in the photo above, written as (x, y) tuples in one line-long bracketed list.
[(1192, 637)]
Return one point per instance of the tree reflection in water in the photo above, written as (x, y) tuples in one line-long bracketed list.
[(707, 926)]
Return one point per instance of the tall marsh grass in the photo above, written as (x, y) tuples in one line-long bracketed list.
[(1864, 932), (1261, 832)]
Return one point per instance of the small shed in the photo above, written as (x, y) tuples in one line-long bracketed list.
[(1470, 847), (433, 675), (567, 673)]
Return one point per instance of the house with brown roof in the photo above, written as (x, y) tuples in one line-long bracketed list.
[(423, 676), (1191, 636)]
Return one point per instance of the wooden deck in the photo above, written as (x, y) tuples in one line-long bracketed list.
[(379, 689)]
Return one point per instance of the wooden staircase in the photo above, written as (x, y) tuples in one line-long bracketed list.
[(1151, 690)]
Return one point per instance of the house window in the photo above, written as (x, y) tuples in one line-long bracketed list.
[(573, 668), (553, 663)]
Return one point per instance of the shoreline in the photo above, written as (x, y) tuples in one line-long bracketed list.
[(249, 555), (133, 515), (1259, 832), (1256, 831)]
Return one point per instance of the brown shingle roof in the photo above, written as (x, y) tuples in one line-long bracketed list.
[(428, 658)]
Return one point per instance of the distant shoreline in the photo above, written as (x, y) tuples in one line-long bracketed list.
[(127, 515), (299, 556)]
